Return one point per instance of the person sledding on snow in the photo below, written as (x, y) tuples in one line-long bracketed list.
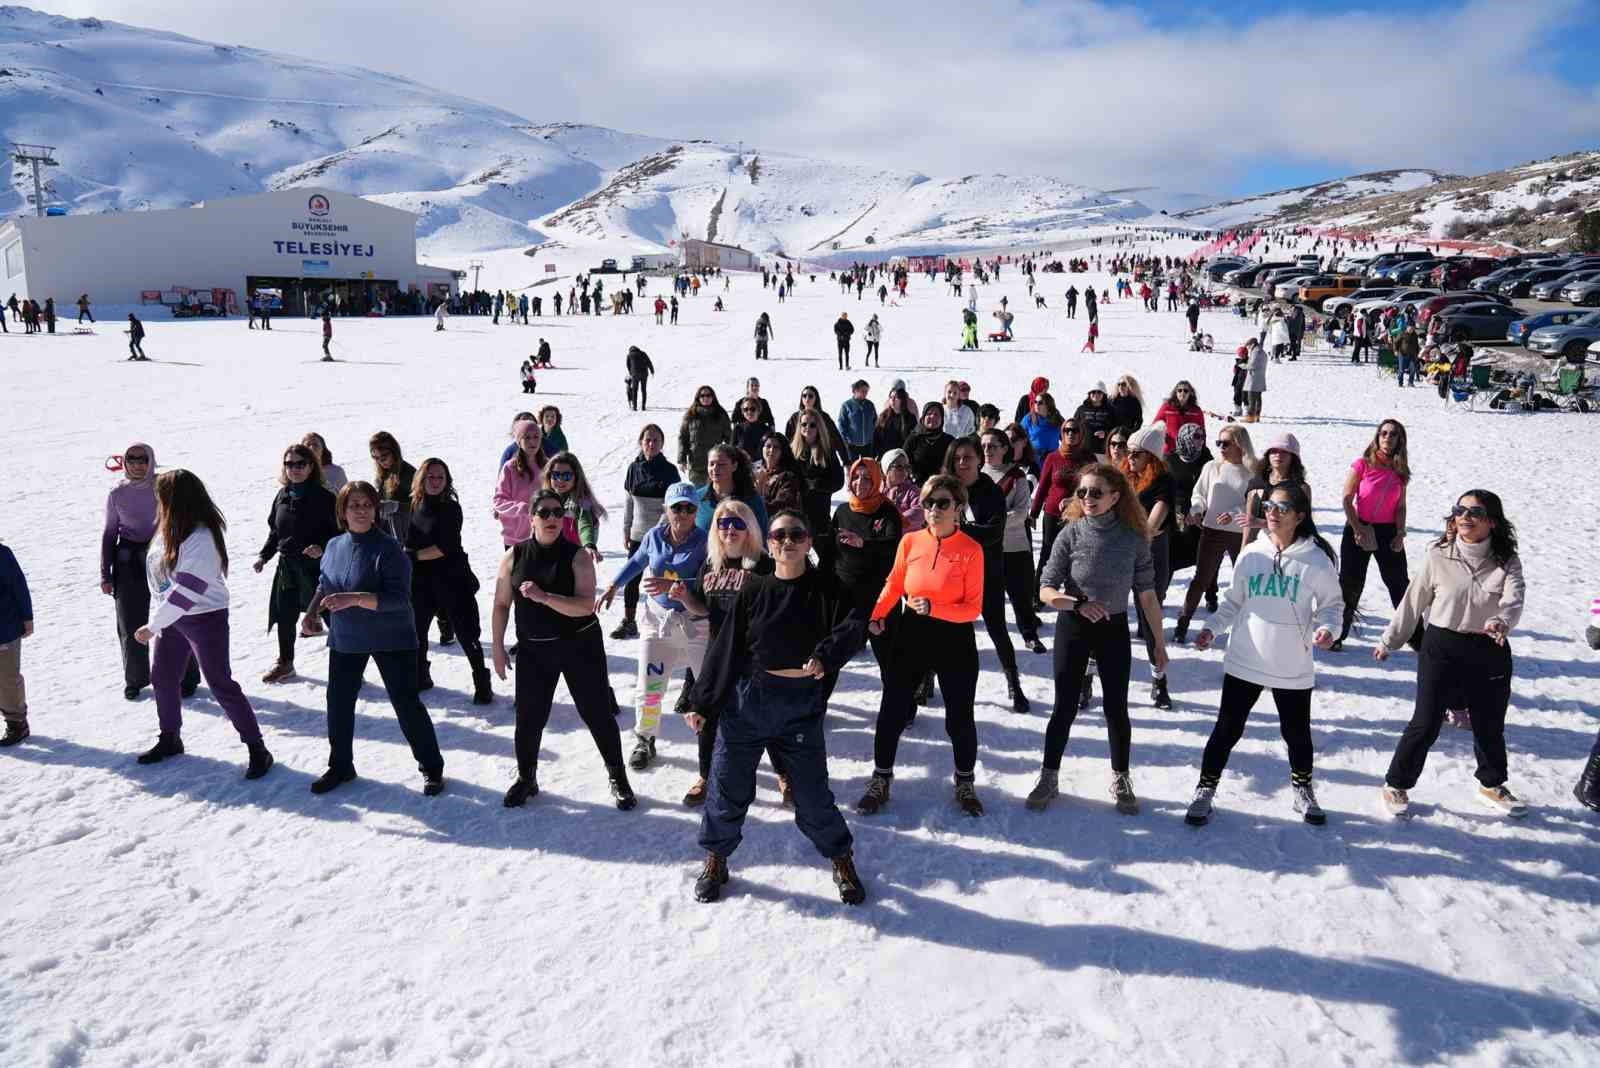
[(969, 330), (543, 358), (1005, 319)]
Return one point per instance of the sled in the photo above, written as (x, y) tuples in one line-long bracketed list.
[(999, 337)]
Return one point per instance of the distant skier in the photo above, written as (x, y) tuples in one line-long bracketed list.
[(83, 309), (135, 338), (440, 314)]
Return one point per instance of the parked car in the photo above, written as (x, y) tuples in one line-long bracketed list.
[(1398, 297), (1434, 305), (1342, 305), (1414, 272), (1519, 330), (1584, 294), (1389, 259), (1269, 279), (1246, 276), (1568, 340), (1518, 287), (1456, 272), (1353, 264), (1490, 283), (1289, 287), (1551, 290), (1316, 291), (1483, 321)]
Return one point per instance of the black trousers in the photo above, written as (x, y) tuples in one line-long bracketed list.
[(1021, 589), (450, 595), (1214, 545), (949, 650), (872, 353), (761, 349), (630, 592), (1238, 698), (1160, 554), (398, 668), (1049, 527), (1353, 561), (994, 611), (1107, 642), (130, 590), (1457, 667), (581, 660), (844, 354)]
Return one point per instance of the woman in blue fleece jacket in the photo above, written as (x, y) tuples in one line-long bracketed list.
[(366, 583)]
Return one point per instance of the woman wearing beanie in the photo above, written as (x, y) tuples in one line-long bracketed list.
[(1148, 477), (1016, 562), (645, 484), (1215, 506), (901, 491), (442, 581), (520, 477), (546, 582), (1375, 521), (1587, 791), (1470, 591), (984, 521), (1282, 603), (1280, 463), (124, 542), (187, 571), (298, 528), (366, 584), (939, 573), (1096, 416), (1101, 556)]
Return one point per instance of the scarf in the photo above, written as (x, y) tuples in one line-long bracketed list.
[(873, 500)]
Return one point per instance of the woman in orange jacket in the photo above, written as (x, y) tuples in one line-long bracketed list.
[(939, 572)]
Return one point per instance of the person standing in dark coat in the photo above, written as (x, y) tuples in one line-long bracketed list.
[(1096, 416), (135, 338), (843, 328), (639, 371), (442, 582), (984, 521), (926, 446), (298, 527)]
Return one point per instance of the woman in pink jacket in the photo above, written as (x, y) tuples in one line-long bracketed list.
[(520, 476)]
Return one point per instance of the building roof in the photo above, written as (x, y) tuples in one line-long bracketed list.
[(715, 244)]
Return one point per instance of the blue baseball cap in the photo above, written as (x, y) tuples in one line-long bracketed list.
[(682, 493)]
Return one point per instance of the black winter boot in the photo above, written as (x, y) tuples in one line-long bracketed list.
[(167, 745), (526, 786), (482, 693), (424, 677), (331, 780), (621, 792), (1158, 693), (1588, 789), (851, 891), (1019, 700), (260, 760), (16, 731)]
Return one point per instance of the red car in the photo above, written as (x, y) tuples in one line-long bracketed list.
[(1433, 305), (1456, 272)]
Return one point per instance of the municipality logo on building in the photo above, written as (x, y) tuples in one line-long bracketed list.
[(318, 205)]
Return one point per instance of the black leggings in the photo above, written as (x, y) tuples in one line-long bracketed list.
[(448, 594), (994, 615), (581, 660), (1077, 640), (1455, 667), (950, 651), (1022, 590), (630, 592), (1049, 527), (1162, 557), (1353, 561), (1238, 698)]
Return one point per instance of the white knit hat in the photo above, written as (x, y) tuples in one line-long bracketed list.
[(1152, 439)]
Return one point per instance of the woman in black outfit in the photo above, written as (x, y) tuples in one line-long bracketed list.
[(442, 582), (549, 582), (298, 528), (1017, 543), (811, 401), (926, 446), (1148, 477), (895, 423), (866, 534), (749, 426), (821, 476), (984, 521)]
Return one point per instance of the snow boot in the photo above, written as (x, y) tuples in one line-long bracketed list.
[(644, 750), (260, 760), (877, 794), (1211, 600), (1158, 692), (1180, 630), (1395, 802), (1502, 800), (16, 731), (433, 783), (1305, 803), (525, 786), (713, 877), (1019, 700), (851, 892), (625, 630), (696, 796), (967, 797), (482, 692), (167, 745), (1587, 791), (447, 633), (1044, 791), (621, 792), (1122, 794), (282, 670), (130, 693), (1035, 645), (332, 779), (1199, 813)]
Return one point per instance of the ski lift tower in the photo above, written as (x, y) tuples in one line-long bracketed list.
[(38, 156)]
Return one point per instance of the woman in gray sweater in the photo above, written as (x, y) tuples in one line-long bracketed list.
[(1100, 555)]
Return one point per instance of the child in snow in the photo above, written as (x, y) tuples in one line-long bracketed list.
[(529, 382), (1094, 332), (969, 330)]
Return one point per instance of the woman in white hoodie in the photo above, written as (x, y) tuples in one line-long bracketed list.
[(1283, 601)]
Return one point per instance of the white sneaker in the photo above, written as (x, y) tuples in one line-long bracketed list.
[(1395, 802), (1200, 808), (1502, 800), (1305, 803)]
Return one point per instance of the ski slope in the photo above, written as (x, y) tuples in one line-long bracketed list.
[(176, 915)]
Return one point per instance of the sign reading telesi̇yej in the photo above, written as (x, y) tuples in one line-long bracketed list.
[(320, 234)]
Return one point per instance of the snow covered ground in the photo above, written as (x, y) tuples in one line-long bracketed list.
[(177, 915)]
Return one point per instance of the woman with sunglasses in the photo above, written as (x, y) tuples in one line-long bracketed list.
[(187, 572), (901, 491), (1025, 403), (1128, 403), (749, 429), (563, 475), (1280, 464), (939, 573), (1215, 505), (298, 528), (821, 476), (734, 556), (927, 445), (394, 479), (1016, 543), (520, 477), (705, 424), (984, 521), (1375, 522), (1148, 477), (811, 401), (645, 484), (896, 422), (547, 583), (1470, 591), (1180, 409), (366, 584), (764, 674), (124, 543), (442, 581), (670, 638), (1043, 425), (1101, 556), (1282, 603), (1057, 479)]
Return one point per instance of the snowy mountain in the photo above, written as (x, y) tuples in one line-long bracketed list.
[(1283, 205), (145, 119)]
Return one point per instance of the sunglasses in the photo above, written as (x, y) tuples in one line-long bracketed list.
[(550, 513), (1092, 493), (135, 459), (730, 522), (680, 509), (1072, 432), (939, 504), (1277, 507), (562, 476), (1470, 511), (1223, 443), (295, 465), (792, 535), (384, 455), (1116, 444)]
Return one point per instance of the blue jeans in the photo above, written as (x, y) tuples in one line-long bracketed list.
[(786, 715), (1406, 365)]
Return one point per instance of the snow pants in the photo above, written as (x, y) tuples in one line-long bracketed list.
[(581, 660), (1238, 698), (131, 592), (668, 642), (398, 668), (1077, 639), (1456, 666), (13, 692), (783, 714), (203, 637), (949, 650)]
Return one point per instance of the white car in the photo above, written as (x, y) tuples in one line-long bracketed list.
[(1402, 296), (1352, 265), (1337, 305), (1290, 287)]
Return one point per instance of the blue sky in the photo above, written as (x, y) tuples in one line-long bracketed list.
[(1204, 96)]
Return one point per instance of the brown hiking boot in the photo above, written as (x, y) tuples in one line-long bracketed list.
[(713, 876), (851, 892), (283, 669)]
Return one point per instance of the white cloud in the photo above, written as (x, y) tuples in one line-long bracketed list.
[(1075, 88)]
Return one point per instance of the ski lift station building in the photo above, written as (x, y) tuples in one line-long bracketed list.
[(309, 244)]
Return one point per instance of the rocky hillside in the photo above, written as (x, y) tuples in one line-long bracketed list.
[(1285, 205)]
